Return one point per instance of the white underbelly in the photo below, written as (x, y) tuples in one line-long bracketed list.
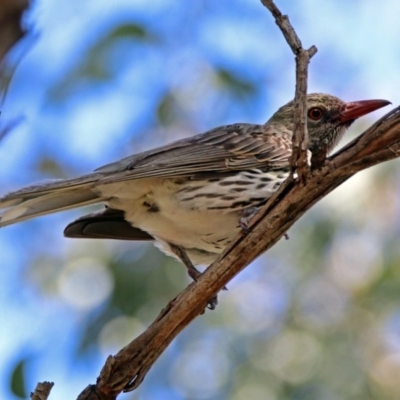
[(198, 231), (201, 216)]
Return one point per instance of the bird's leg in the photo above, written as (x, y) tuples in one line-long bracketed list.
[(193, 272)]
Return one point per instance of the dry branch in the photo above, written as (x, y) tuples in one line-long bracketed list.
[(10, 24), (11, 32), (42, 391), (127, 369), (300, 135)]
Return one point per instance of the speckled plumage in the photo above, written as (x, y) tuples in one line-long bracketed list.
[(189, 195)]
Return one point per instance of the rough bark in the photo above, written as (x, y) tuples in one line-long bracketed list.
[(11, 30), (42, 391), (127, 369)]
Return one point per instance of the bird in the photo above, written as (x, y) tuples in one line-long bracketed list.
[(189, 197)]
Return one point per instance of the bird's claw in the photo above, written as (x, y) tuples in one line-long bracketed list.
[(193, 272), (246, 217), (212, 303)]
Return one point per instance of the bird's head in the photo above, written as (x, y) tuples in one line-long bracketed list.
[(327, 118)]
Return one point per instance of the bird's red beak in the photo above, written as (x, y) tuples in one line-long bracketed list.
[(356, 109)]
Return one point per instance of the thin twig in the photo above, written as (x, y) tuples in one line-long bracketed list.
[(300, 136), (8, 127)]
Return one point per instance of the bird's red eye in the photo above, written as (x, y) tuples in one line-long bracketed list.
[(315, 113)]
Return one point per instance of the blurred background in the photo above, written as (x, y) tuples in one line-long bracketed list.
[(317, 317)]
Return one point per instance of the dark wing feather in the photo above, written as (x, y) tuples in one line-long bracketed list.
[(227, 148), (108, 224)]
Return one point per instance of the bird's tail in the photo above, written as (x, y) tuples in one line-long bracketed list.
[(47, 198)]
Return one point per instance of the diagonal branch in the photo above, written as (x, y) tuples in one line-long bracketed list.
[(127, 369)]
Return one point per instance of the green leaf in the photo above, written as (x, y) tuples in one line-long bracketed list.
[(17, 383), (169, 110), (237, 86), (133, 30)]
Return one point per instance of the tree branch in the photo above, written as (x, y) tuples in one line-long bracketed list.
[(299, 159), (42, 391), (11, 30), (127, 369)]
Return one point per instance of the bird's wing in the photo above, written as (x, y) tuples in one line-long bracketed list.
[(223, 149), (107, 224), (219, 151)]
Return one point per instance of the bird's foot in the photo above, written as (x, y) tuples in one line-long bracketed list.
[(247, 215), (193, 272)]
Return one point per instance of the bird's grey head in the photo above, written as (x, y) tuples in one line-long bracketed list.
[(327, 118)]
